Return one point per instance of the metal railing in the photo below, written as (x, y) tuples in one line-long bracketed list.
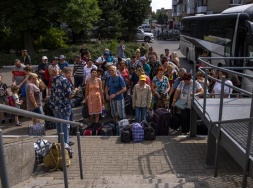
[(16, 111), (228, 70)]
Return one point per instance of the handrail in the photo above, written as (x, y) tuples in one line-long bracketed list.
[(17, 111)]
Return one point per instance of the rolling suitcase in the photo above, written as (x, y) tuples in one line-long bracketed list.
[(161, 122)]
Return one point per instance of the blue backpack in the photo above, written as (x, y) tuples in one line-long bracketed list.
[(137, 132)]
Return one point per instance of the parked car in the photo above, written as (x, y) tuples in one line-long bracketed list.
[(141, 35)]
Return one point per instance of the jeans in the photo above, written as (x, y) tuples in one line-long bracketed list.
[(64, 126), (140, 114)]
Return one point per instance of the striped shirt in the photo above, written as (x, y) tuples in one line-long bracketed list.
[(79, 69), (18, 74)]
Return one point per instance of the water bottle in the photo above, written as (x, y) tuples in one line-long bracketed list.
[(103, 111)]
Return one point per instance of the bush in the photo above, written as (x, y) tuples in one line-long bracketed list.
[(96, 49)]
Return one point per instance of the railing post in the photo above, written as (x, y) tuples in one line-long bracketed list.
[(205, 92), (219, 126), (193, 127), (3, 169), (79, 152), (63, 158), (248, 145)]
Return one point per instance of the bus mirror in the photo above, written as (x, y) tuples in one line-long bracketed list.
[(250, 26)]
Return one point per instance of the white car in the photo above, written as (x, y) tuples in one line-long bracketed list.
[(141, 35)]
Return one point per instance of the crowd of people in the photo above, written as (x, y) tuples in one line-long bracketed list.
[(152, 82)]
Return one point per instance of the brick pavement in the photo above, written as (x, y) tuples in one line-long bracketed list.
[(173, 161)]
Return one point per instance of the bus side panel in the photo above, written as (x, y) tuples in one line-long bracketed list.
[(247, 83)]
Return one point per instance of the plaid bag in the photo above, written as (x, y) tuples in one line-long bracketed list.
[(41, 148), (36, 130), (137, 132)]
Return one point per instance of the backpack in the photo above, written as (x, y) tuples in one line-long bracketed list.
[(126, 135), (93, 129), (137, 132), (149, 132), (11, 101)]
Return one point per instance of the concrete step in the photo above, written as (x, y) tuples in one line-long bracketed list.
[(126, 181)]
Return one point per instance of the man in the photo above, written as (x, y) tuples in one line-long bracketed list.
[(42, 67), (101, 61), (18, 73), (83, 51), (78, 71), (62, 63), (61, 93), (120, 50), (143, 50), (154, 64), (87, 70), (115, 87), (27, 58), (167, 54), (53, 66)]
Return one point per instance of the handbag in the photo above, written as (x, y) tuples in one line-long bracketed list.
[(42, 85), (53, 160), (181, 103)]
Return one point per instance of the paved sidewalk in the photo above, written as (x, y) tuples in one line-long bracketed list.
[(174, 161)]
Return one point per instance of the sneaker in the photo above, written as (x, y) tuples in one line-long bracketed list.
[(71, 143), (10, 120), (18, 124)]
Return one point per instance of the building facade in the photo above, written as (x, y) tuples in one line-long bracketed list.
[(182, 8)]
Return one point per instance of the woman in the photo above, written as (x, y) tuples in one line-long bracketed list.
[(171, 75), (27, 70), (94, 95), (217, 86), (184, 92), (138, 54), (141, 100), (200, 77), (115, 87), (33, 95), (124, 72), (175, 59), (151, 52), (160, 87)]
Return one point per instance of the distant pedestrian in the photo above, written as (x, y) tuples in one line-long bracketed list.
[(143, 50), (17, 102), (18, 73), (27, 58), (62, 62), (121, 50), (83, 51), (78, 71)]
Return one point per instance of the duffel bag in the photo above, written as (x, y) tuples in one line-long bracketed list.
[(126, 135), (36, 130)]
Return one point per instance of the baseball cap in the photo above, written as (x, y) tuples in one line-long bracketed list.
[(142, 78), (62, 57), (143, 58), (55, 58), (44, 58)]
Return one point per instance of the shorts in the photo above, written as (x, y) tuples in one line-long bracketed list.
[(37, 110), (118, 108)]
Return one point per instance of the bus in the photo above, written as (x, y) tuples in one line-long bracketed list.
[(228, 34)]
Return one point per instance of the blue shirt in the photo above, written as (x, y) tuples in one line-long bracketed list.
[(60, 92), (62, 65), (115, 84)]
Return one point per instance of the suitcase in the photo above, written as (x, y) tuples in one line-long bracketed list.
[(161, 122)]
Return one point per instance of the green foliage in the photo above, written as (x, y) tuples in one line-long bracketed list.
[(54, 38)]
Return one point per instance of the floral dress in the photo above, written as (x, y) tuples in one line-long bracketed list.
[(160, 86), (94, 98)]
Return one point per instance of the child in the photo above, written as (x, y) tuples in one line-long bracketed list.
[(15, 97), (141, 100), (3, 98)]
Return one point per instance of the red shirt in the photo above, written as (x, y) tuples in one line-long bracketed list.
[(125, 75)]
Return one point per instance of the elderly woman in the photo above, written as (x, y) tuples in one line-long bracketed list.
[(33, 95), (160, 86), (184, 92), (115, 87)]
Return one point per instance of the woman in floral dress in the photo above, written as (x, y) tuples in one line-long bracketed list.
[(94, 96)]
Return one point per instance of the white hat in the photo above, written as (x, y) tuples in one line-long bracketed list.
[(62, 57), (44, 58)]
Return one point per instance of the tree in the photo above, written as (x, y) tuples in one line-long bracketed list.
[(32, 17)]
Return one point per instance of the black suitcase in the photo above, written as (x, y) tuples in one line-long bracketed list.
[(161, 122)]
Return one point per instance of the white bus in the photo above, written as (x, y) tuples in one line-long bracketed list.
[(228, 34)]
